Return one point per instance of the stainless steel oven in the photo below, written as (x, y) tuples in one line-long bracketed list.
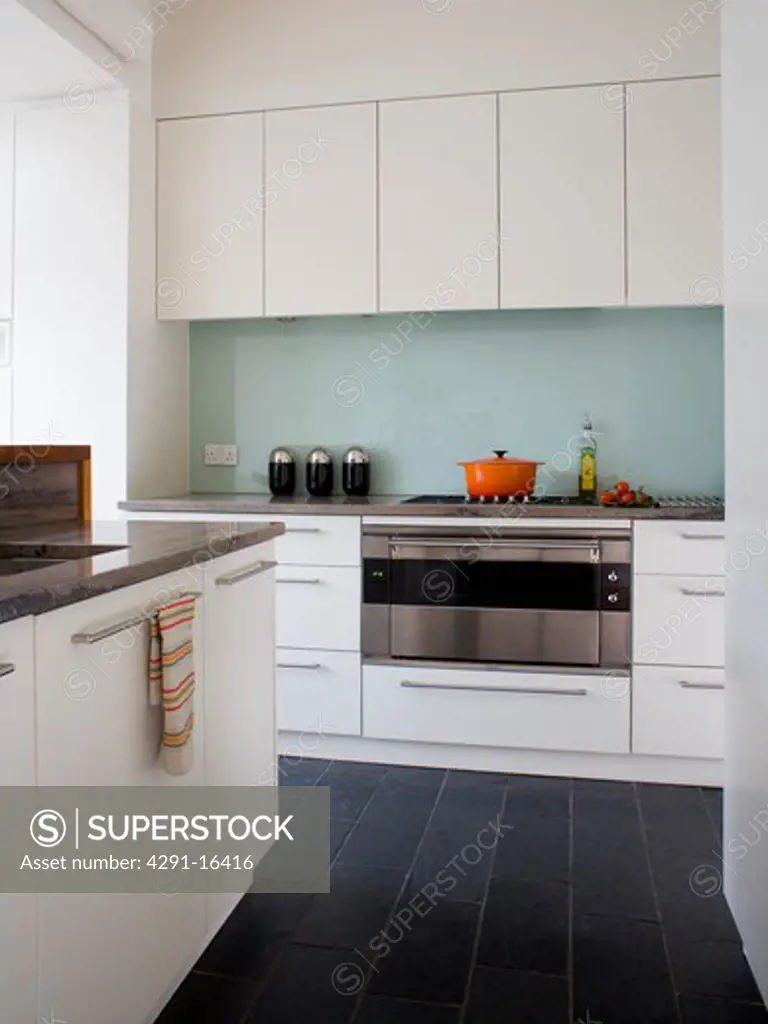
[(513, 595)]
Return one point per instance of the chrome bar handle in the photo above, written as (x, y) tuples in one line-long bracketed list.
[(300, 579), (702, 536), (290, 664), (94, 636), (687, 685), (549, 691), (244, 574), (7, 669), (701, 593), (303, 529)]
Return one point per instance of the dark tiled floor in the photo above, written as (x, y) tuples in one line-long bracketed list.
[(466, 898)]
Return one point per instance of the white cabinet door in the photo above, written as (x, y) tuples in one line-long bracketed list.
[(678, 712), (438, 209), (318, 692), (240, 731), (318, 607), (95, 724), (562, 199), (678, 620), (210, 225), (673, 193), (321, 213), (18, 911), (6, 212)]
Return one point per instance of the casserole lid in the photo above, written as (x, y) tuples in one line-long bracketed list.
[(500, 458)]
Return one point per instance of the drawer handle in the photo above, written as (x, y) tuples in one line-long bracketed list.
[(303, 529), (244, 574), (301, 579), (702, 536), (7, 669), (94, 636), (549, 691), (686, 685), (290, 664), (701, 593)]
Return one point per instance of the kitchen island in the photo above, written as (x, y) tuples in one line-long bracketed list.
[(75, 711)]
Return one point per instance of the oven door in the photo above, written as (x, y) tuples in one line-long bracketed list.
[(530, 601)]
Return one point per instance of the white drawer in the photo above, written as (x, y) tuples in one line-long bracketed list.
[(488, 708), (679, 548), (318, 691), (678, 620), (678, 712), (318, 607)]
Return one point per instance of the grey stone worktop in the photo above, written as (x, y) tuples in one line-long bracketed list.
[(388, 505), (147, 549)]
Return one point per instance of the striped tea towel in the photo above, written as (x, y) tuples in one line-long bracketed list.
[(172, 680)]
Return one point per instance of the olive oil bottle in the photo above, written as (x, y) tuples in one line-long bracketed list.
[(587, 463)]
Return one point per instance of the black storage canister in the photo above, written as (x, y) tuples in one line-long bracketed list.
[(319, 473), (356, 473), (282, 472)]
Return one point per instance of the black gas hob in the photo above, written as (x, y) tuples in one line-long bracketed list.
[(463, 499)]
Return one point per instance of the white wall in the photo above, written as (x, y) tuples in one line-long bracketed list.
[(70, 285), (231, 55), (745, 147)]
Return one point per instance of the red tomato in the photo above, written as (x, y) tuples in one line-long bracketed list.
[(621, 487)]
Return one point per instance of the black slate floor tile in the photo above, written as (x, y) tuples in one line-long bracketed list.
[(620, 972), (713, 801), (395, 804), (685, 875), (340, 829), (350, 792), (588, 790), (535, 848), (700, 1010), (430, 960), (301, 989), (377, 1010), (407, 775), (300, 771), (509, 997), (525, 926), (473, 802), (454, 859), (203, 998), (675, 817), (704, 918), (711, 968), (384, 846), (530, 796), (252, 937), (354, 912)]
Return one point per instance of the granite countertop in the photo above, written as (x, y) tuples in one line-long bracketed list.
[(146, 550), (392, 505)]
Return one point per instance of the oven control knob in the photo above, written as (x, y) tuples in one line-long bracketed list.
[(613, 598), (613, 575)]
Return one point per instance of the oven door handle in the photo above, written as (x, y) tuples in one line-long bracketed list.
[(547, 691), (488, 549)]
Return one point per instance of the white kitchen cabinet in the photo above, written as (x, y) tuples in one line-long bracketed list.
[(678, 712), (210, 229), (83, 687), (18, 911), (7, 125), (489, 708), (239, 699), (319, 607), (561, 164), (438, 210), (679, 548), (321, 216), (318, 692), (674, 229), (678, 620)]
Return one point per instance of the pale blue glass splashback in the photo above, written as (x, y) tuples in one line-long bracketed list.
[(461, 385)]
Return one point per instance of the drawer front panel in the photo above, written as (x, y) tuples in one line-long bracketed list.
[(318, 608), (679, 620), (17, 702), (529, 710), (680, 548), (678, 713), (318, 692)]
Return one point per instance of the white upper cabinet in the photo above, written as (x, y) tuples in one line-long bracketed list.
[(438, 208), (321, 211), (6, 212), (673, 193), (210, 231), (562, 198)]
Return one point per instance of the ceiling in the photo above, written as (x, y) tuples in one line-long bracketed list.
[(35, 62)]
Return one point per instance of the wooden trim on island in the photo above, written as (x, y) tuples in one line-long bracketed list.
[(24, 457)]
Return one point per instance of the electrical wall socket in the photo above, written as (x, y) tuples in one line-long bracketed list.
[(221, 455)]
